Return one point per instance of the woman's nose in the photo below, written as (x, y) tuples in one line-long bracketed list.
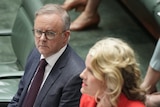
[(82, 75)]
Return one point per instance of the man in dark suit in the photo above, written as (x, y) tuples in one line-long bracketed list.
[(61, 83)]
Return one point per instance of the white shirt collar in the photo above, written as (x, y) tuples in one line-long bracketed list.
[(51, 60)]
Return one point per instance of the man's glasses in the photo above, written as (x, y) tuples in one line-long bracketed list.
[(47, 34)]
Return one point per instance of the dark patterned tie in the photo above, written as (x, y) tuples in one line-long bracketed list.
[(35, 86)]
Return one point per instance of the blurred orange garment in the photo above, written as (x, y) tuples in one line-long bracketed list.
[(87, 101)]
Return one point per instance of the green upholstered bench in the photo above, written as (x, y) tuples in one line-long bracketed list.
[(146, 12), (16, 45)]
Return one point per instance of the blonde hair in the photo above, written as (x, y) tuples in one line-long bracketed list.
[(113, 63)]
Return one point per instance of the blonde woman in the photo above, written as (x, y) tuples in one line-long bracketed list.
[(112, 77)]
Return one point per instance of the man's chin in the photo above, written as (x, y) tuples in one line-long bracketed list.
[(42, 51)]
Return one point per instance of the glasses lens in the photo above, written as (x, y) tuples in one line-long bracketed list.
[(50, 34), (47, 34), (37, 33)]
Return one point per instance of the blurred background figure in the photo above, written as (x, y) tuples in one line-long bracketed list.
[(152, 78), (89, 17)]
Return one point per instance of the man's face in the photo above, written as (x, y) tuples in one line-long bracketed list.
[(53, 23)]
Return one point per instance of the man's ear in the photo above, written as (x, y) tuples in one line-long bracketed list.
[(66, 35)]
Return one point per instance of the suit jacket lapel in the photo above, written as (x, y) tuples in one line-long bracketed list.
[(54, 74), (35, 61), (31, 71), (51, 78)]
